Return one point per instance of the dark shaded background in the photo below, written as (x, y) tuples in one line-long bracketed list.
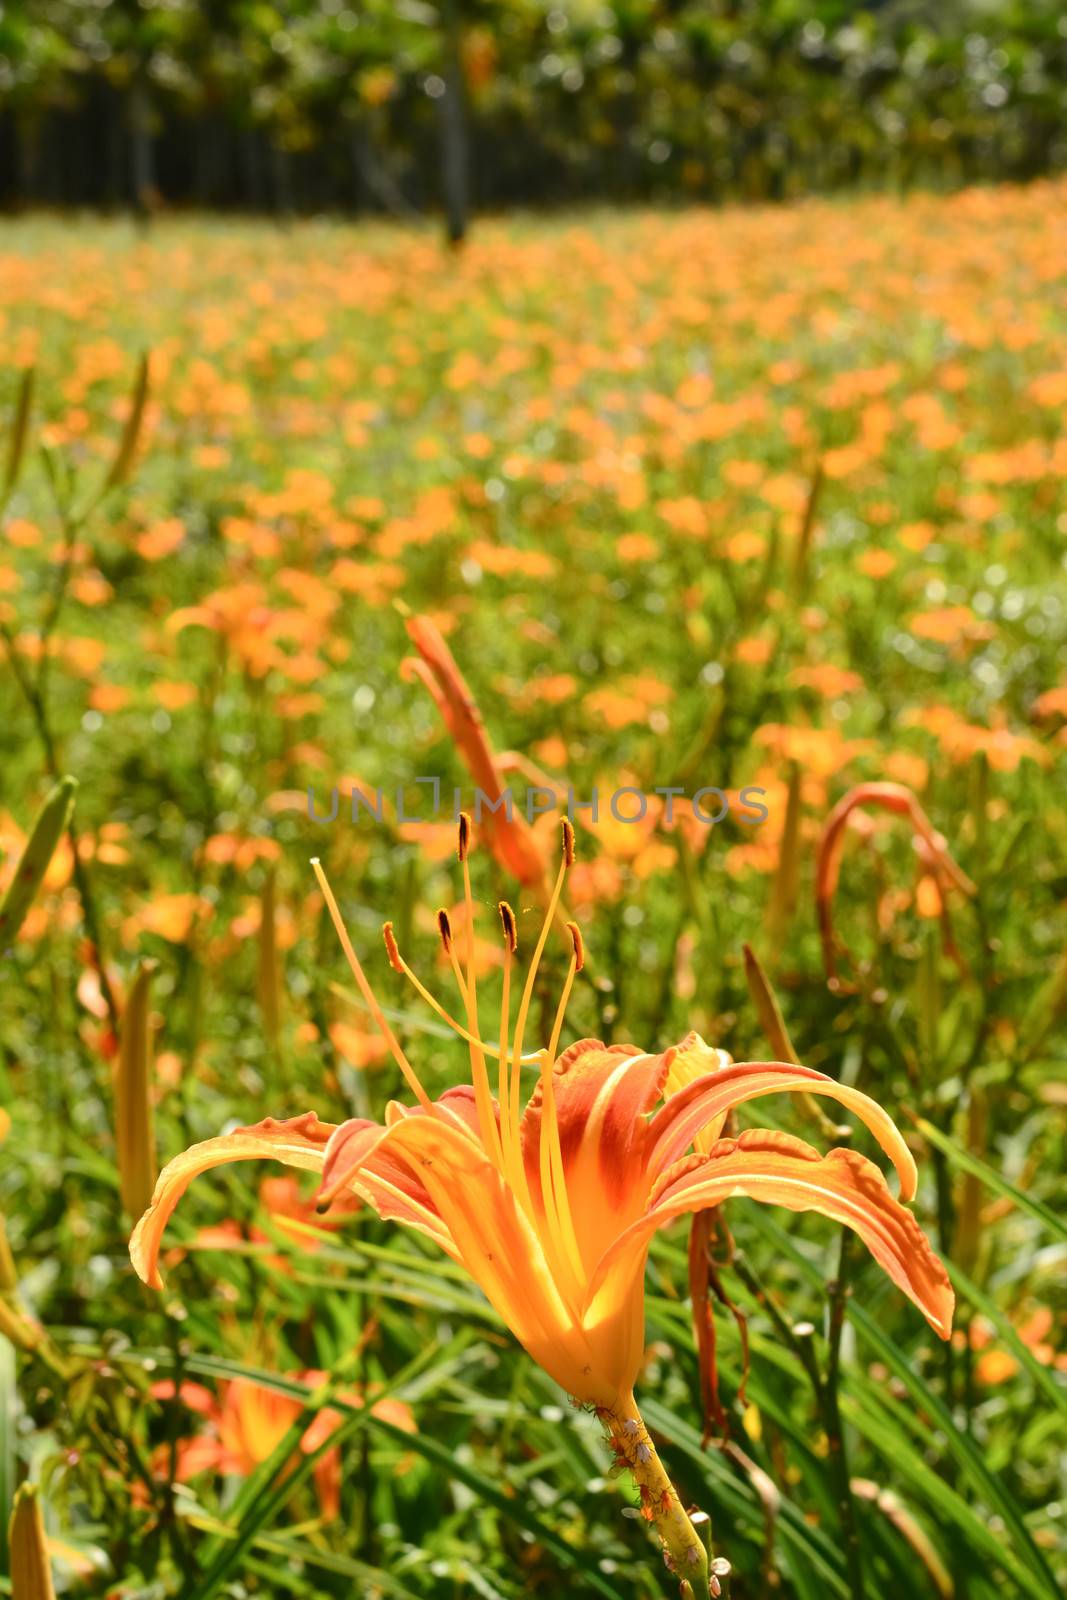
[(401, 106)]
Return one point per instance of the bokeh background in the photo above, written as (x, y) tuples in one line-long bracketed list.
[(403, 107), (700, 371)]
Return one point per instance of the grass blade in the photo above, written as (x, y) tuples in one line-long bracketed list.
[(993, 1180)]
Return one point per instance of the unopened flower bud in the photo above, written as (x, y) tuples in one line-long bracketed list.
[(31, 1570), (134, 1131)]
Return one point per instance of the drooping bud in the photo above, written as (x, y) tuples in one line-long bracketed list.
[(31, 1570), (463, 842), (392, 949), (444, 928), (509, 837), (568, 841), (507, 919), (134, 1131), (579, 946), (930, 845)]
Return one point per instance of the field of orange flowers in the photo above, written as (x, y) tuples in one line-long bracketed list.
[(739, 541)]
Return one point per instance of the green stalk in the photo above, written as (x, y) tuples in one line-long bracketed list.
[(685, 1551)]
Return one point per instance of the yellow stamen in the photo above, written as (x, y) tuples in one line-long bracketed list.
[(551, 1151), (483, 1098), (562, 1239), (367, 992), (561, 1010), (507, 1142), (400, 965), (508, 1082)]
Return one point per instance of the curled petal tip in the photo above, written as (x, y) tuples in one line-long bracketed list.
[(297, 1142)]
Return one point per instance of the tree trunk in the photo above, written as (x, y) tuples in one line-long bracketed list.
[(454, 151), (374, 182), (282, 174), (114, 154), (28, 157), (142, 155), (251, 169)]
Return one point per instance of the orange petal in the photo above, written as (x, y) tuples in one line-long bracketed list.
[(681, 1118), (781, 1170), (602, 1096), (487, 1232), (360, 1159), (694, 1059), (358, 1156), (299, 1142)]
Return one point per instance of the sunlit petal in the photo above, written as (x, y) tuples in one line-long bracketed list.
[(361, 1159), (782, 1170), (603, 1094), (488, 1232), (692, 1059), (298, 1142), (685, 1114)]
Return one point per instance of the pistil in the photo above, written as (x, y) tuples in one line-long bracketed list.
[(369, 997)]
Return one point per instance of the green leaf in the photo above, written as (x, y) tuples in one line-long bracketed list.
[(1054, 1392), (300, 1552), (48, 829), (880, 1420), (515, 1509), (992, 1180), (963, 1449), (20, 425)]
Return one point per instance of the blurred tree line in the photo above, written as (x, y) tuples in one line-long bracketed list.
[(405, 105)]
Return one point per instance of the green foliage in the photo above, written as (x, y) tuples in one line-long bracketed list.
[(590, 452), (699, 98)]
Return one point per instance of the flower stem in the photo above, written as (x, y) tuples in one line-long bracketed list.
[(684, 1551)]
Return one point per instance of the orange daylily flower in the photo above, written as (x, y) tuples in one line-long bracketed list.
[(247, 1422), (939, 869), (552, 1209), (511, 839)]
